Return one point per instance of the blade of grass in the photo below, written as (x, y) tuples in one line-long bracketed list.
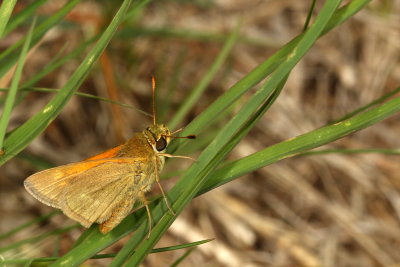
[(190, 34), (25, 14), (198, 173), (365, 107), (181, 258), (257, 74), (10, 55), (165, 106), (23, 135), (95, 241), (99, 98), (206, 80), (56, 62), (351, 151), (302, 143), (5, 13), (108, 255), (59, 61), (309, 15), (5, 117)]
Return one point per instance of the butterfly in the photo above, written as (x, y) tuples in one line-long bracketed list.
[(103, 189)]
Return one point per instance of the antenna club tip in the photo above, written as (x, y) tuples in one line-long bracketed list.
[(192, 136)]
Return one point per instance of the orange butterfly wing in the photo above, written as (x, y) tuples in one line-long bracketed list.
[(88, 191)]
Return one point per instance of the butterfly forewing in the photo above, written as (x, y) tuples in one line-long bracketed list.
[(48, 185), (86, 191)]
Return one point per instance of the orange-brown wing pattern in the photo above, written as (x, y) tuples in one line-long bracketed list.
[(48, 185), (86, 191), (110, 153)]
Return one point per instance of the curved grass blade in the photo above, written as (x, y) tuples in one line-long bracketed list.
[(257, 74), (197, 174), (23, 135), (302, 143)]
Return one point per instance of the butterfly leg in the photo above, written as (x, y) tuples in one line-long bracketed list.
[(162, 192), (146, 204)]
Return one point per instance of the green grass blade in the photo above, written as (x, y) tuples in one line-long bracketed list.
[(105, 256), (369, 105), (181, 258), (23, 135), (94, 241), (300, 144), (192, 35), (351, 151), (5, 117), (86, 95), (257, 74), (309, 15), (5, 13), (10, 55), (196, 176), (205, 81), (25, 14), (58, 62)]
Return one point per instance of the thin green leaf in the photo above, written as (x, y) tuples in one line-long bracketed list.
[(262, 71), (5, 13), (193, 35), (94, 241), (300, 144), (369, 105), (10, 55), (22, 136), (309, 15), (108, 255), (205, 81), (99, 98), (25, 14), (351, 151), (5, 117), (181, 258), (59, 61), (197, 175)]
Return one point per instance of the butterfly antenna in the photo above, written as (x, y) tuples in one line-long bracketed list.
[(153, 88)]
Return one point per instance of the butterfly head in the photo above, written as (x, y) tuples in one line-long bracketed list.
[(158, 136)]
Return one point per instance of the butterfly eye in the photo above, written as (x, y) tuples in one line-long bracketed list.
[(161, 144)]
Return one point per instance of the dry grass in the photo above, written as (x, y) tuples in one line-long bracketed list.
[(322, 210)]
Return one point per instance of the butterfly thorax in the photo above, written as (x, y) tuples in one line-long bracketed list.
[(148, 144)]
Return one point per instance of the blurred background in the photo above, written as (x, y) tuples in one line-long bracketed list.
[(317, 210)]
